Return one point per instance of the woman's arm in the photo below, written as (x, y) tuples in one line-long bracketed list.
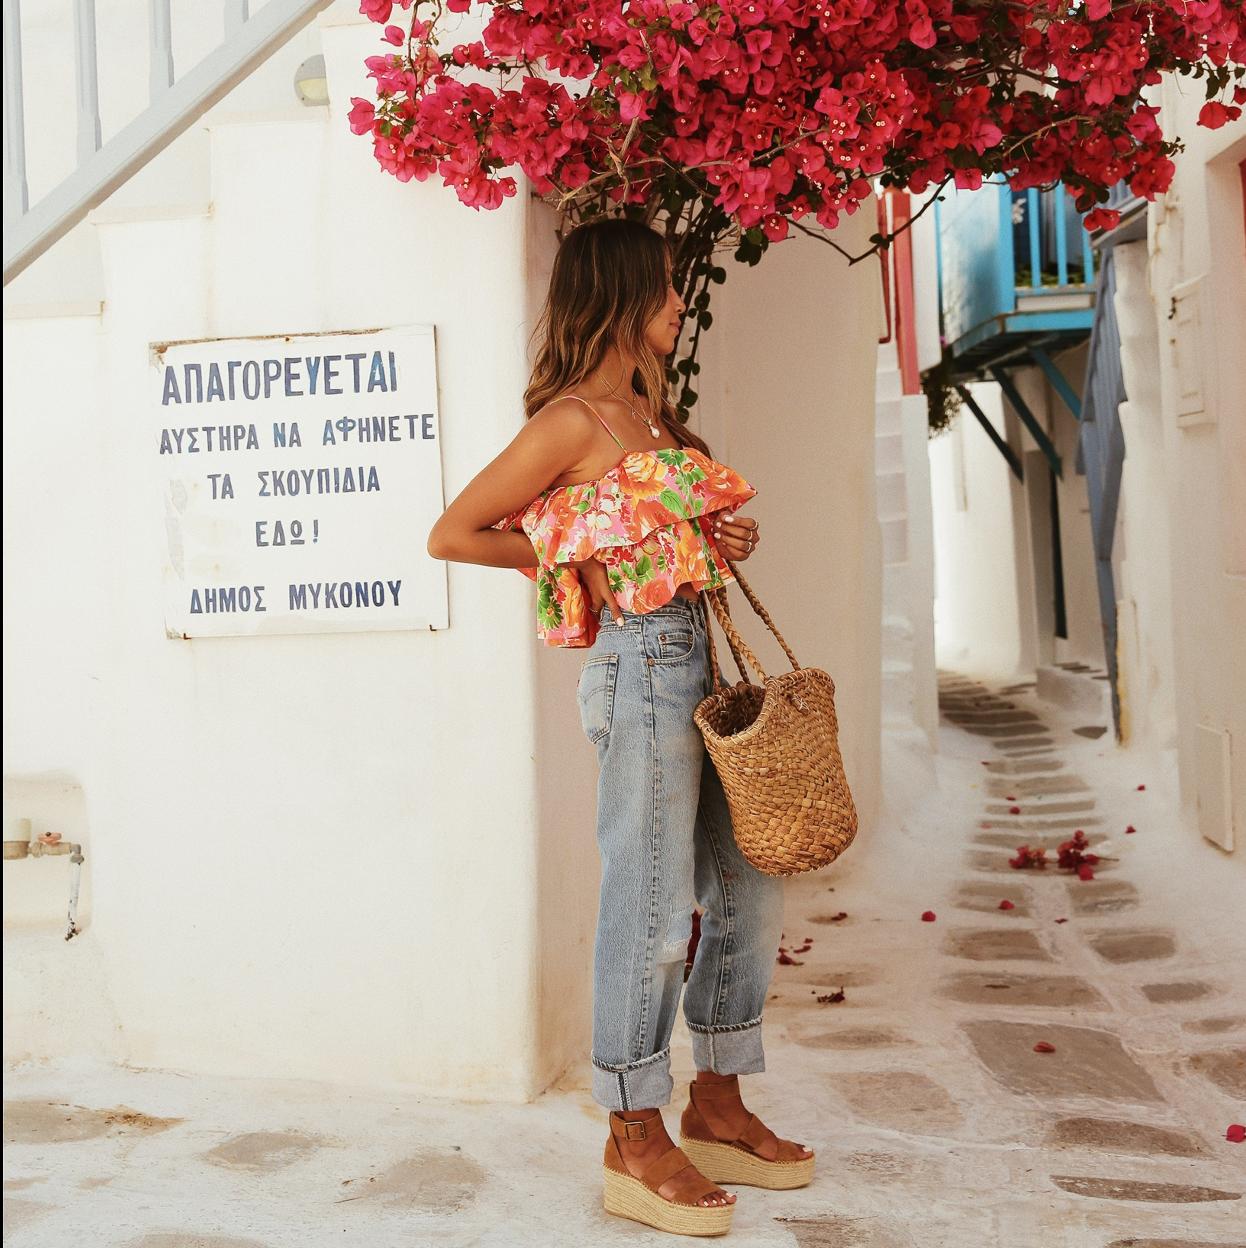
[(552, 443)]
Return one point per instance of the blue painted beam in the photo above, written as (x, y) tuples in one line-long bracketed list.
[(1059, 383), (1028, 419), (991, 432)]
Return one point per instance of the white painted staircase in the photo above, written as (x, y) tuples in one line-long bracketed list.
[(902, 485)]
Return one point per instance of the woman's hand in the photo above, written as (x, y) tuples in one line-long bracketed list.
[(737, 537), (596, 583)]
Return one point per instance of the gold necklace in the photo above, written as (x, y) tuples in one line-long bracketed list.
[(654, 431)]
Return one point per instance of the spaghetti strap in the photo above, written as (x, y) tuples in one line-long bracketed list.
[(599, 416)]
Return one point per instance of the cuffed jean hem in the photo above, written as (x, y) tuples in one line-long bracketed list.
[(731, 1050), (636, 1085)]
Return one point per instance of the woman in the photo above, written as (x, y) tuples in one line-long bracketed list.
[(621, 516)]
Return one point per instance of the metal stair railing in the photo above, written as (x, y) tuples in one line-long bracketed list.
[(175, 104)]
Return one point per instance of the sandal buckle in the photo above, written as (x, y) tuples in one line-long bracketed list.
[(635, 1131)]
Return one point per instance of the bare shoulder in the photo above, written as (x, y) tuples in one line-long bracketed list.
[(563, 420)]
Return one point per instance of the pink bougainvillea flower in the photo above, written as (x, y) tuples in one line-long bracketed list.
[(1085, 872), (1044, 1046), (1102, 219), (1236, 1133), (928, 916), (1006, 905), (1213, 114), (782, 116), (1028, 857), (361, 115)]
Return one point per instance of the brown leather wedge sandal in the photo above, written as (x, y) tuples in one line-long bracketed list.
[(750, 1158), (636, 1197)]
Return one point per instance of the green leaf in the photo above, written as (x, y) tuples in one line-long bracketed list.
[(644, 569)]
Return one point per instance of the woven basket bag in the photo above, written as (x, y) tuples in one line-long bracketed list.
[(776, 749)]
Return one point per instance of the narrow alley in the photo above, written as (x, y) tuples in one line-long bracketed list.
[(1047, 1062)]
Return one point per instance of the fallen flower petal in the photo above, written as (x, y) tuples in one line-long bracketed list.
[(835, 918), (1010, 797), (1044, 1046), (928, 916), (1236, 1133), (1141, 787), (1014, 810), (1129, 831), (1085, 872), (1062, 920), (785, 960), (1006, 905)]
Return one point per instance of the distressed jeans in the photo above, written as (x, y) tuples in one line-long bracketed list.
[(665, 838)]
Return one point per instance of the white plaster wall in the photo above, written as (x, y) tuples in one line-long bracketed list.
[(1197, 235), (926, 289), (1144, 586), (1084, 621), (787, 398), (978, 608), (310, 856), (920, 579)]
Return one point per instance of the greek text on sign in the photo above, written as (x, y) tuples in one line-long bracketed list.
[(301, 476)]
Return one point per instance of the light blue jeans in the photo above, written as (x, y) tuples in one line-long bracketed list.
[(665, 837)]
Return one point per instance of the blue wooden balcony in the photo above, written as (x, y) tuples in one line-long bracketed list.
[(1016, 270)]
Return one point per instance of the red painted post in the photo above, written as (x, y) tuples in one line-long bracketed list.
[(905, 313)]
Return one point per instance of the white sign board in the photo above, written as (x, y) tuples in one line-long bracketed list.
[(301, 476)]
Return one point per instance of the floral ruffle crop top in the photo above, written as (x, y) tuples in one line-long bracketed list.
[(642, 519)]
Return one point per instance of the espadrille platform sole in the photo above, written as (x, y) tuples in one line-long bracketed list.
[(628, 1197), (725, 1163)]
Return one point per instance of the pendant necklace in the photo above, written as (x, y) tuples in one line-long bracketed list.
[(654, 431)]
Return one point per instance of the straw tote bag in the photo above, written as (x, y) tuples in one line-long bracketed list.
[(776, 749)]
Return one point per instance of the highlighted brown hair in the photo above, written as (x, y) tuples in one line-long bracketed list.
[(609, 281)]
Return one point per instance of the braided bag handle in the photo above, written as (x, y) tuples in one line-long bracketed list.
[(722, 612)]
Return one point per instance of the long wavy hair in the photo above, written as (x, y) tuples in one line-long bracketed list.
[(609, 281)]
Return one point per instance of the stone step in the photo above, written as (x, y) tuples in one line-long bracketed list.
[(889, 453), (895, 540), (888, 386), (891, 494)]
